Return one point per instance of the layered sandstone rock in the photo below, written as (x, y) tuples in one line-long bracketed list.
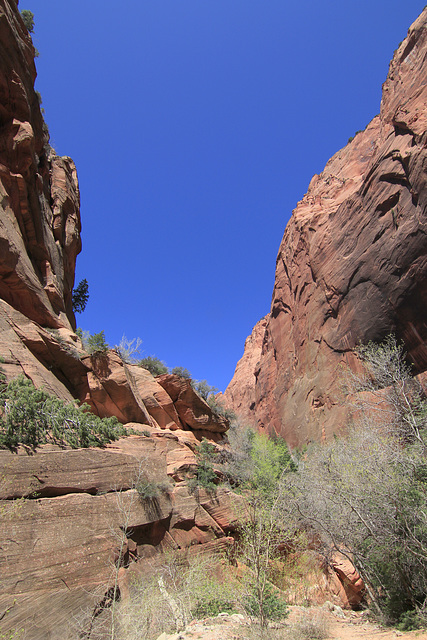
[(83, 516), (39, 195), (240, 393), (352, 264)]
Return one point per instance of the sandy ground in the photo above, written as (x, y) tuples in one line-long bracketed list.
[(341, 626)]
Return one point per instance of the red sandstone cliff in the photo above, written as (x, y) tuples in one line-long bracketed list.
[(58, 545), (352, 264)]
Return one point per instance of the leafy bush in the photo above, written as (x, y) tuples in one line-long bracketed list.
[(273, 605), (212, 607), (31, 417), (411, 620), (80, 296), (204, 389), (181, 372), (368, 492), (155, 366), (151, 490), (255, 461), (28, 19), (205, 476), (181, 588), (95, 343)]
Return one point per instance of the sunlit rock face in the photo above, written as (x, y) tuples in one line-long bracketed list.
[(39, 194), (352, 264)]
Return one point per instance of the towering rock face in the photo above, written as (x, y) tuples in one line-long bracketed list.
[(61, 511), (352, 264), (39, 195)]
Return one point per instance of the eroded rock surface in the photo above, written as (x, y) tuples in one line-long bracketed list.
[(352, 264), (39, 194), (84, 513)]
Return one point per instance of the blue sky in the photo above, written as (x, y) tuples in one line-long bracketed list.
[(196, 126)]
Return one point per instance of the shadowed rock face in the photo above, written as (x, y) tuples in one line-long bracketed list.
[(39, 195), (352, 264)]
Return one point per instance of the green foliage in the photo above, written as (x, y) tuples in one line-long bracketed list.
[(212, 607), (271, 458), (181, 372), (95, 343), (205, 476), (219, 409), (155, 366), (368, 491), (204, 389), (28, 19), (351, 138), (271, 602), (255, 461), (31, 417), (80, 296), (411, 620), (150, 489)]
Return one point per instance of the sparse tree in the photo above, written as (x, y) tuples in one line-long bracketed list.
[(367, 492), (80, 296), (128, 350)]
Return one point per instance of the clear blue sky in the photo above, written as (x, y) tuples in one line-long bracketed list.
[(196, 126)]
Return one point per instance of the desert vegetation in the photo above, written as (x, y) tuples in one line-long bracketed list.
[(363, 495), (32, 417)]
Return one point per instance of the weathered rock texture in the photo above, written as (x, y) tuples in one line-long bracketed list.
[(39, 195), (64, 515), (352, 264), (60, 544)]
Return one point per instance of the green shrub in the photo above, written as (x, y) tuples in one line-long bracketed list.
[(411, 620), (181, 372), (155, 366), (204, 389), (273, 605), (213, 607), (95, 343), (28, 19), (31, 417), (219, 409), (80, 296), (205, 476), (151, 490)]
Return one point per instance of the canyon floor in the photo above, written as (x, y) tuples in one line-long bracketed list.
[(348, 626)]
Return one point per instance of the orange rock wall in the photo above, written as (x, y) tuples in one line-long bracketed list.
[(39, 194), (352, 264)]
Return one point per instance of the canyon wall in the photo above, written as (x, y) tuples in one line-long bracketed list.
[(351, 266), (64, 512)]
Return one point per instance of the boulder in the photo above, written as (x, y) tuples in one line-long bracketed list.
[(193, 411)]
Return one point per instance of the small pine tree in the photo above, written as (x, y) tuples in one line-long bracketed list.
[(80, 296)]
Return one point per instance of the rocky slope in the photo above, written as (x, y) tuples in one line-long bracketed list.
[(73, 521), (63, 511), (351, 267)]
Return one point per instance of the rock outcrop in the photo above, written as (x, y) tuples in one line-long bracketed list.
[(352, 264), (70, 518), (66, 514), (39, 195)]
